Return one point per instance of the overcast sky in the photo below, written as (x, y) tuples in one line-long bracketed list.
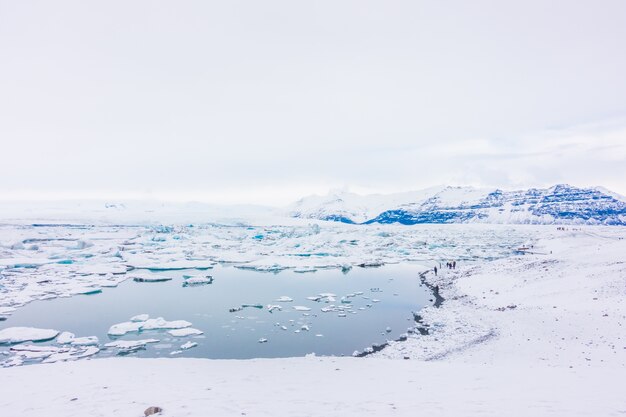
[(268, 101)]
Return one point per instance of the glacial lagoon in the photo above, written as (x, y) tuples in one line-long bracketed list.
[(371, 306)]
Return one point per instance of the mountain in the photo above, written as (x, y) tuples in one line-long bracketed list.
[(560, 204)]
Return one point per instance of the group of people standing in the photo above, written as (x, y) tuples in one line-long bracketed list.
[(449, 265)]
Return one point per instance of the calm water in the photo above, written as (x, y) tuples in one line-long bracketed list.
[(236, 335)]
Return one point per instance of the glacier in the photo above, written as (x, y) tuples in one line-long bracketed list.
[(560, 204)]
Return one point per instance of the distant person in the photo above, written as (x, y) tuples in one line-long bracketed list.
[(454, 265), (435, 271)]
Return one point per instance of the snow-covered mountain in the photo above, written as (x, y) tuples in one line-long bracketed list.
[(561, 204)]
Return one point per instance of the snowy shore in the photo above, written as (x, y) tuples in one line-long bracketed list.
[(537, 334)]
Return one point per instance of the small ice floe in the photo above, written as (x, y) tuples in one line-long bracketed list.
[(283, 327), (284, 299), (140, 317), (120, 329), (176, 352), (188, 345), (304, 328), (185, 332), (314, 298), (374, 300), (344, 300), (36, 352), (71, 355), (388, 329), (65, 338), (13, 335), (159, 323), (376, 289), (130, 344), (151, 278), (301, 308), (371, 264), (319, 335), (272, 307), (341, 315), (197, 280), (85, 341), (262, 340)]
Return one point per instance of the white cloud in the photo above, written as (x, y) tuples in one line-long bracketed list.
[(266, 102)]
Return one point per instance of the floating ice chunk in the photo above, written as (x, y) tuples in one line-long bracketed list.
[(72, 354), (341, 315), (388, 329), (283, 327), (198, 280), (151, 278), (327, 294), (140, 317), (314, 298), (188, 345), (36, 352), (121, 329), (65, 338), (13, 335), (319, 335), (371, 264), (305, 328), (374, 300), (176, 352), (185, 332), (284, 299), (85, 341), (262, 340), (272, 307), (301, 308), (130, 344), (161, 323)]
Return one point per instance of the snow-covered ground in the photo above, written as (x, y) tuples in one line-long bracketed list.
[(535, 334)]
